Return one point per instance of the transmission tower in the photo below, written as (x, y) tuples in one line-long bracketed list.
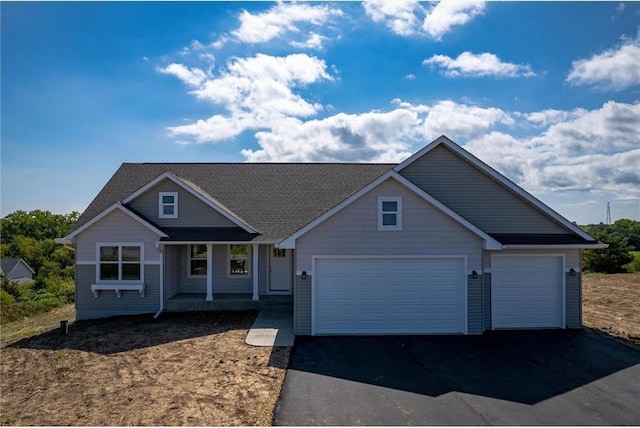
[(608, 214)]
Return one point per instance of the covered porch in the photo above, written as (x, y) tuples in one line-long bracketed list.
[(186, 302)]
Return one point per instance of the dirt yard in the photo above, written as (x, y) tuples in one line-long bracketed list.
[(190, 369), (611, 304)]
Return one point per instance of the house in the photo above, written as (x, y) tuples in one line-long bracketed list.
[(440, 243), (16, 269)]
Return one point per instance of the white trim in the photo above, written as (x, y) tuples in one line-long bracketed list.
[(398, 226), (108, 211), (85, 262), (209, 272), (189, 259), (496, 176), (254, 268), (117, 287), (465, 290), (489, 244), (563, 315), (211, 202), (119, 245), (290, 255), (161, 205), (249, 262)]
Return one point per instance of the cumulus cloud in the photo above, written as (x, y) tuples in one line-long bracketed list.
[(190, 76), (256, 92), (614, 69), (449, 13), (280, 20), (409, 18), (468, 64)]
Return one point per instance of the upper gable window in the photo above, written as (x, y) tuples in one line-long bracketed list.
[(168, 205), (389, 213)]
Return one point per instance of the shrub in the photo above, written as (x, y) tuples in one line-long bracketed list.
[(611, 259)]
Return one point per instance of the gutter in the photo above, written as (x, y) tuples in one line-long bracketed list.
[(160, 248)]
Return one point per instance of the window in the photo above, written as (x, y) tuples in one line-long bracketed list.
[(168, 205), (238, 260), (197, 260), (389, 213), (279, 253), (120, 262)]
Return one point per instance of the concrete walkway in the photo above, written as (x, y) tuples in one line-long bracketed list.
[(272, 327)]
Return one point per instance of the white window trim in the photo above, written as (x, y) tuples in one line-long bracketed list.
[(206, 259), (398, 225), (161, 205), (119, 244), (248, 275)]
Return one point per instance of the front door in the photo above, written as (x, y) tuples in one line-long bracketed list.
[(280, 267)]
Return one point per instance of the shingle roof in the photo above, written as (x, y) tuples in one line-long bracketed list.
[(8, 263), (276, 199)]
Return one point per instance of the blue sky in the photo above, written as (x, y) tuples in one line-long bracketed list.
[(547, 93)]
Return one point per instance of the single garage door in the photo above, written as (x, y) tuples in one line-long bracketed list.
[(388, 296), (527, 292)]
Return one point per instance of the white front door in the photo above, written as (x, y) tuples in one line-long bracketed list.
[(280, 270)]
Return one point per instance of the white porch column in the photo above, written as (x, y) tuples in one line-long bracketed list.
[(254, 271), (209, 272)]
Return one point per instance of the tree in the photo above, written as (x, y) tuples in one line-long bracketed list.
[(36, 224), (611, 259)]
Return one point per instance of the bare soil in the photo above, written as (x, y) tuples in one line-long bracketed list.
[(183, 369), (611, 304)]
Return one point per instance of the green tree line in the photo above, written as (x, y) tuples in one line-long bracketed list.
[(31, 236), (623, 254)]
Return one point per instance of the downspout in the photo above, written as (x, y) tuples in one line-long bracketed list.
[(160, 248)]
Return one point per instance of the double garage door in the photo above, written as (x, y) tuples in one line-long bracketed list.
[(377, 295), (527, 292)]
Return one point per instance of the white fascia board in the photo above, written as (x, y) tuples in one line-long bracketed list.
[(598, 246), (498, 177), (489, 242), (103, 214), (207, 200), (215, 242)]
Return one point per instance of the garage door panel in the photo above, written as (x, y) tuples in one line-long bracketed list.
[(379, 296), (527, 292)]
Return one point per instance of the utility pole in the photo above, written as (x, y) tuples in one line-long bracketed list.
[(608, 221)]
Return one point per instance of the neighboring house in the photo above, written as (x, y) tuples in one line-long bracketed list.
[(16, 269), (440, 243)]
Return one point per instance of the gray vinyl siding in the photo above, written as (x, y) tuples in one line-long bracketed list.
[(425, 231), (476, 196), (486, 301), (573, 300), (172, 271), (192, 212), (20, 271), (116, 227), (221, 282), (302, 306), (107, 303), (474, 305)]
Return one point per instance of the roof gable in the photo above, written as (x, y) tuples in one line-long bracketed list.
[(481, 194), (490, 243), (9, 263)]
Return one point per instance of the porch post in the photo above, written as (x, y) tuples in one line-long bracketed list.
[(209, 272), (254, 270)]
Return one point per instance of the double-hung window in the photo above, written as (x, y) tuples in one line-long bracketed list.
[(120, 262), (197, 260), (238, 260), (389, 213), (168, 205)]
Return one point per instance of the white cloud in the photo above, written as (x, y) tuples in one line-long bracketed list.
[(314, 41), (547, 117), (409, 18), (614, 69), (449, 13), (190, 76), (399, 15), (468, 64), (256, 92), (280, 20)]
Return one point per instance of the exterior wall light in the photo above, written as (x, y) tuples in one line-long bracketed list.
[(474, 274), (573, 272), (304, 275)]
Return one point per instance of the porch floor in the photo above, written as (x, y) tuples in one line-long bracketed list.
[(186, 302)]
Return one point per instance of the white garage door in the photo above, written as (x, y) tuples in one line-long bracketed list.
[(388, 296), (527, 292)]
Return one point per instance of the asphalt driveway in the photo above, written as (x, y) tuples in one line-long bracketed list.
[(502, 378)]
